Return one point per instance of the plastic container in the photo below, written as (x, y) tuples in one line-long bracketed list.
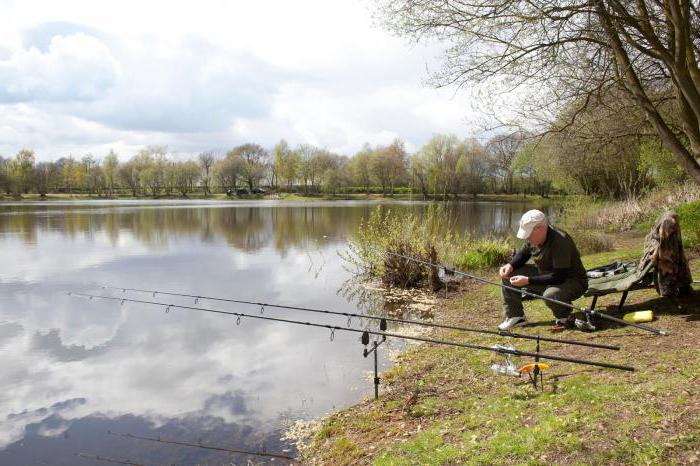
[(639, 316)]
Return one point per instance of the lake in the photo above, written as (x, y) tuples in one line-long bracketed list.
[(78, 375)]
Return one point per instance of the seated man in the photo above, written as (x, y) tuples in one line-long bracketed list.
[(558, 273)]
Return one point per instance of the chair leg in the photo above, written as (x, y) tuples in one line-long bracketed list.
[(593, 303), (622, 301), (676, 303)]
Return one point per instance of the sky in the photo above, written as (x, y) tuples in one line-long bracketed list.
[(81, 77)]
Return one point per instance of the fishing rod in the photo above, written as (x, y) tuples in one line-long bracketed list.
[(350, 315), (590, 312), (106, 459), (203, 446), (365, 333)]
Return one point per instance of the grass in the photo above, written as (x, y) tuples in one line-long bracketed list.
[(464, 414), (482, 253), (591, 242)]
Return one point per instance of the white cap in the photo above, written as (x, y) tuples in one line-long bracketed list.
[(529, 221)]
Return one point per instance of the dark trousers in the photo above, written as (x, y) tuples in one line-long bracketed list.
[(566, 292)]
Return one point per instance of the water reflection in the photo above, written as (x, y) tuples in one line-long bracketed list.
[(248, 227), (75, 369)]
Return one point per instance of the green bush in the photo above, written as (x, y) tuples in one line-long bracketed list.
[(483, 253), (416, 235), (689, 215)]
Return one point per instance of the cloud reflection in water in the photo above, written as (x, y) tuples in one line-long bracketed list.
[(72, 366)]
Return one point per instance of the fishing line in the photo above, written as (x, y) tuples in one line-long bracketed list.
[(206, 447), (350, 315), (106, 459), (531, 294), (334, 328)]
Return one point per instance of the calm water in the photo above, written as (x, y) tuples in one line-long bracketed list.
[(75, 372)]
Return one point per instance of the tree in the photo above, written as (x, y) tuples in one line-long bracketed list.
[(147, 170), (110, 166), (419, 172), (335, 175), (397, 160), (381, 168), (89, 175), (360, 168), (67, 173), (600, 149), (46, 177), (471, 167), (206, 162), (253, 167), (308, 168), (187, 175), (501, 150), (169, 177), (129, 176), (5, 178), (22, 170), (537, 173), (229, 170), (440, 157), (285, 163), (569, 51)]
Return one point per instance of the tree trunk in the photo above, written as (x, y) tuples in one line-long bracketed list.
[(631, 84)]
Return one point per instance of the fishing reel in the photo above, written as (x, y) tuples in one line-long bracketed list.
[(586, 324), (534, 371), (508, 367)]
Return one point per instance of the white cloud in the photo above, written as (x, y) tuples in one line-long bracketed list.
[(75, 67), (81, 76)]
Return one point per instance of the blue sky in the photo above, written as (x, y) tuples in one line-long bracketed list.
[(82, 77)]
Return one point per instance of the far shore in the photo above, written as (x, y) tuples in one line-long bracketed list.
[(279, 197)]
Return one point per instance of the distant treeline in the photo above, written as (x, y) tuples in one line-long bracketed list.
[(445, 167)]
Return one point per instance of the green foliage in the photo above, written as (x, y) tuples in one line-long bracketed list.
[(404, 233), (660, 162), (411, 233), (536, 172), (487, 252), (689, 215)]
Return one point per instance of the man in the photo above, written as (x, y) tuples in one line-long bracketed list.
[(558, 273)]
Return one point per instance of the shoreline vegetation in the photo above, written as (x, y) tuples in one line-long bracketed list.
[(285, 197), (443, 405)]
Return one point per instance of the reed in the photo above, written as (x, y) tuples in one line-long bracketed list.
[(431, 237)]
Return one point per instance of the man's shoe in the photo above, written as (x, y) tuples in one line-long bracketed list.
[(567, 322), (512, 322), (563, 324)]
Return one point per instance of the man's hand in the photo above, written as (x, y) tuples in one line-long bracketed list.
[(505, 271), (519, 280)]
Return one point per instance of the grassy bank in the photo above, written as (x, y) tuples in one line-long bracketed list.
[(463, 413), (459, 412)]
